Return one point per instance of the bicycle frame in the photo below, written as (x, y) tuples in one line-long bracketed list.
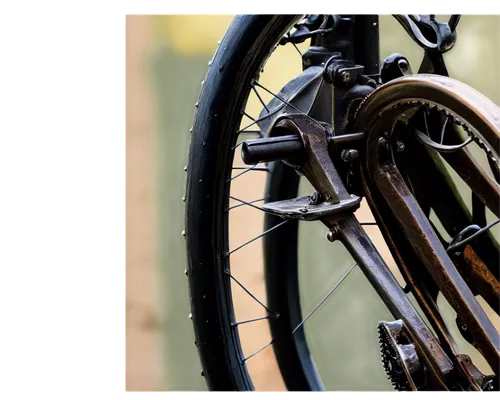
[(356, 38)]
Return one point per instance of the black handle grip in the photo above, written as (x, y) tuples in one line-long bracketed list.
[(272, 149)]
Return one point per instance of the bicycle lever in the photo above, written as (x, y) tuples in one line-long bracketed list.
[(445, 35)]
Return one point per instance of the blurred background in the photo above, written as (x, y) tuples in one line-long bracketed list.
[(166, 60)]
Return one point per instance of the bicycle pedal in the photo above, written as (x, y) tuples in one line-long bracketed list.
[(303, 208)]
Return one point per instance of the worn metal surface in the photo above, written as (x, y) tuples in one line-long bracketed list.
[(477, 274), (428, 247), (304, 208), (414, 223), (383, 281)]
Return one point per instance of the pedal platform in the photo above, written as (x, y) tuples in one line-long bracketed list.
[(303, 208)]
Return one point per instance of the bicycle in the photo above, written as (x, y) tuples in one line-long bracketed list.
[(354, 129)]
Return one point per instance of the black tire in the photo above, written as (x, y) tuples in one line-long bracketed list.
[(244, 47)]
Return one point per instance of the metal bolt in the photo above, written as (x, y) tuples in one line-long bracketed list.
[(186, 272), (184, 198), (183, 233), (382, 142), (349, 155), (403, 66), (303, 210), (186, 168), (400, 146), (345, 77), (315, 198), (190, 316), (332, 235)]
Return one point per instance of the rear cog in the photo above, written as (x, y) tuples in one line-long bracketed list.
[(399, 357)]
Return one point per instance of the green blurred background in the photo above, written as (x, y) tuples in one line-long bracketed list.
[(166, 61)]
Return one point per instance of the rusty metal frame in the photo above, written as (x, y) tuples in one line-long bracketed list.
[(385, 179)]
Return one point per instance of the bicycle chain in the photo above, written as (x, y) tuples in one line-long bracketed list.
[(440, 109)]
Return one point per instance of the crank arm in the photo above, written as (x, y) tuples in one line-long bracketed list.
[(410, 267), (352, 235), (418, 230)]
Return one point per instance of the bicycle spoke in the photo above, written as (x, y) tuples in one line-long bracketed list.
[(260, 98), (248, 116), (258, 351), (249, 321), (325, 298), (257, 237), (243, 202), (257, 121), (258, 133), (242, 173), (288, 104), (241, 205), (255, 169), (294, 45), (248, 292)]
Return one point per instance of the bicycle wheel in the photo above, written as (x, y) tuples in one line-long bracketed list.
[(232, 76), (240, 54)]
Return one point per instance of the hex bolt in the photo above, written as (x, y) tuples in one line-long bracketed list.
[(349, 155), (400, 146)]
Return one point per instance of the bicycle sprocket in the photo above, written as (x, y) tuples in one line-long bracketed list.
[(399, 357)]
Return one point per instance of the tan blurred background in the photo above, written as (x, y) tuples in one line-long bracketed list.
[(166, 60)]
